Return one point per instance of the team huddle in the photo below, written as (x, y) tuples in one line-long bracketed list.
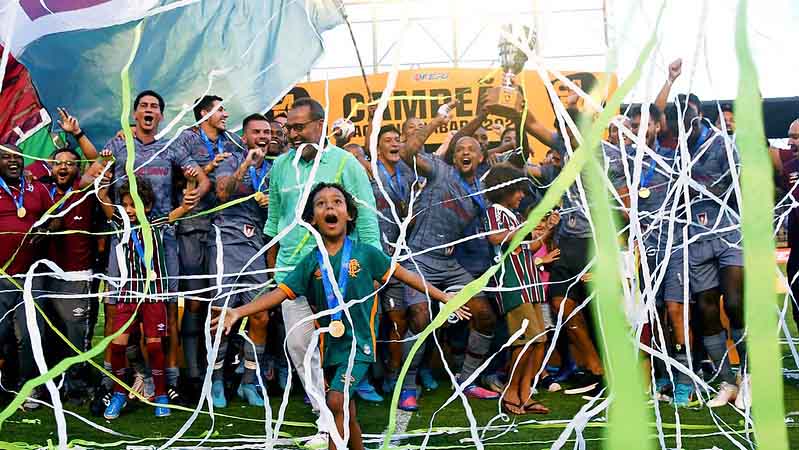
[(308, 236)]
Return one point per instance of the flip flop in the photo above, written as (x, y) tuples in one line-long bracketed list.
[(534, 407), (513, 408)]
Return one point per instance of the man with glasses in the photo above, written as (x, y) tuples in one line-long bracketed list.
[(67, 298), (291, 174)]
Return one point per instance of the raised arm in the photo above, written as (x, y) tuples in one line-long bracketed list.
[(410, 151), (675, 69), (71, 125)]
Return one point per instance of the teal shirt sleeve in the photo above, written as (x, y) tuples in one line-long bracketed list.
[(299, 278), (357, 183), (379, 262), (275, 209)]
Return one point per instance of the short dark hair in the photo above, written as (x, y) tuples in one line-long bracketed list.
[(727, 107), (508, 130), (500, 174), (145, 189), (692, 98), (387, 129), (251, 118), (67, 149), (352, 208), (654, 112), (151, 93), (317, 111), (206, 103)]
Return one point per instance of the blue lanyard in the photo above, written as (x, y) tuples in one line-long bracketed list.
[(478, 198), (651, 170), (210, 145), (702, 138), (18, 201), (343, 275), (257, 177), (52, 197), (134, 236), (399, 190)]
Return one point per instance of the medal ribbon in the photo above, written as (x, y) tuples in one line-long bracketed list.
[(702, 138), (343, 276), (52, 196), (19, 202), (399, 190), (477, 198), (257, 177), (210, 145), (137, 244), (650, 172)]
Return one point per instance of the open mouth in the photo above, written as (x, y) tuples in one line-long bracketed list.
[(262, 144), (148, 119), (466, 162), (331, 219)]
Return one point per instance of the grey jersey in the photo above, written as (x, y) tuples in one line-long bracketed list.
[(242, 222), (574, 214), (654, 212), (444, 209), (710, 168), (398, 188), (159, 171), (193, 141)]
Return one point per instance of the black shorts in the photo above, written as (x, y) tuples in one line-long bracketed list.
[(564, 279)]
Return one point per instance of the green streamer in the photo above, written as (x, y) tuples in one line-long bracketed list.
[(141, 216), (759, 265), (552, 197)]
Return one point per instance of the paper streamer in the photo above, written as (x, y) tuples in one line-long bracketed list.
[(762, 326)]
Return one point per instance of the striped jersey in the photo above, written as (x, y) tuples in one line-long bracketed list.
[(133, 290), (518, 278)]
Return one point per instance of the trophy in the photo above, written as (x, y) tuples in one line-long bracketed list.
[(512, 61)]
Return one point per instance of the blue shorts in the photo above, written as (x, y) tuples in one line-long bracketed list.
[(671, 286), (707, 258), (238, 281), (193, 252), (445, 274), (336, 375)]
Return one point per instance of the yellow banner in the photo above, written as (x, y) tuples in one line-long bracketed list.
[(421, 92)]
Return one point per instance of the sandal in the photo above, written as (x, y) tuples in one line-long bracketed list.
[(535, 407), (512, 408)]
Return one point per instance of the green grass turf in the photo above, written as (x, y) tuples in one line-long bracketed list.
[(38, 427)]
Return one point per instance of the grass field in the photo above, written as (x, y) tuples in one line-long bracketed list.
[(244, 425)]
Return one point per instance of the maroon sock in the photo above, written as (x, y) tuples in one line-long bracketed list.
[(119, 363), (155, 352)]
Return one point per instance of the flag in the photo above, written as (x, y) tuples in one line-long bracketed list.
[(248, 52)]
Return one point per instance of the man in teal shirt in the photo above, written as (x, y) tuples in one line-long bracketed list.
[(289, 177)]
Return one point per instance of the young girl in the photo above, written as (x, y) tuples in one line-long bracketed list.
[(522, 291), (332, 211), (137, 299)]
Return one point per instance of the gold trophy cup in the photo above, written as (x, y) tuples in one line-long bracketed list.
[(512, 61)]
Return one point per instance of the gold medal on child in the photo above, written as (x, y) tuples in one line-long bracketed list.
[(336, 328), (151, 275), (644, 192), (259, 196), (21, 211)]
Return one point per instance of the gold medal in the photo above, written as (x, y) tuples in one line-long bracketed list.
[(644, 192), (336, 328), (259, 196), (152, 275), (21, 212)]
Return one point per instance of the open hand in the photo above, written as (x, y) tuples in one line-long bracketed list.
[(552, 256), (67, 122), (231, 317)]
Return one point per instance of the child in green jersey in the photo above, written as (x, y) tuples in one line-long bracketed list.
[(331, 210)]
